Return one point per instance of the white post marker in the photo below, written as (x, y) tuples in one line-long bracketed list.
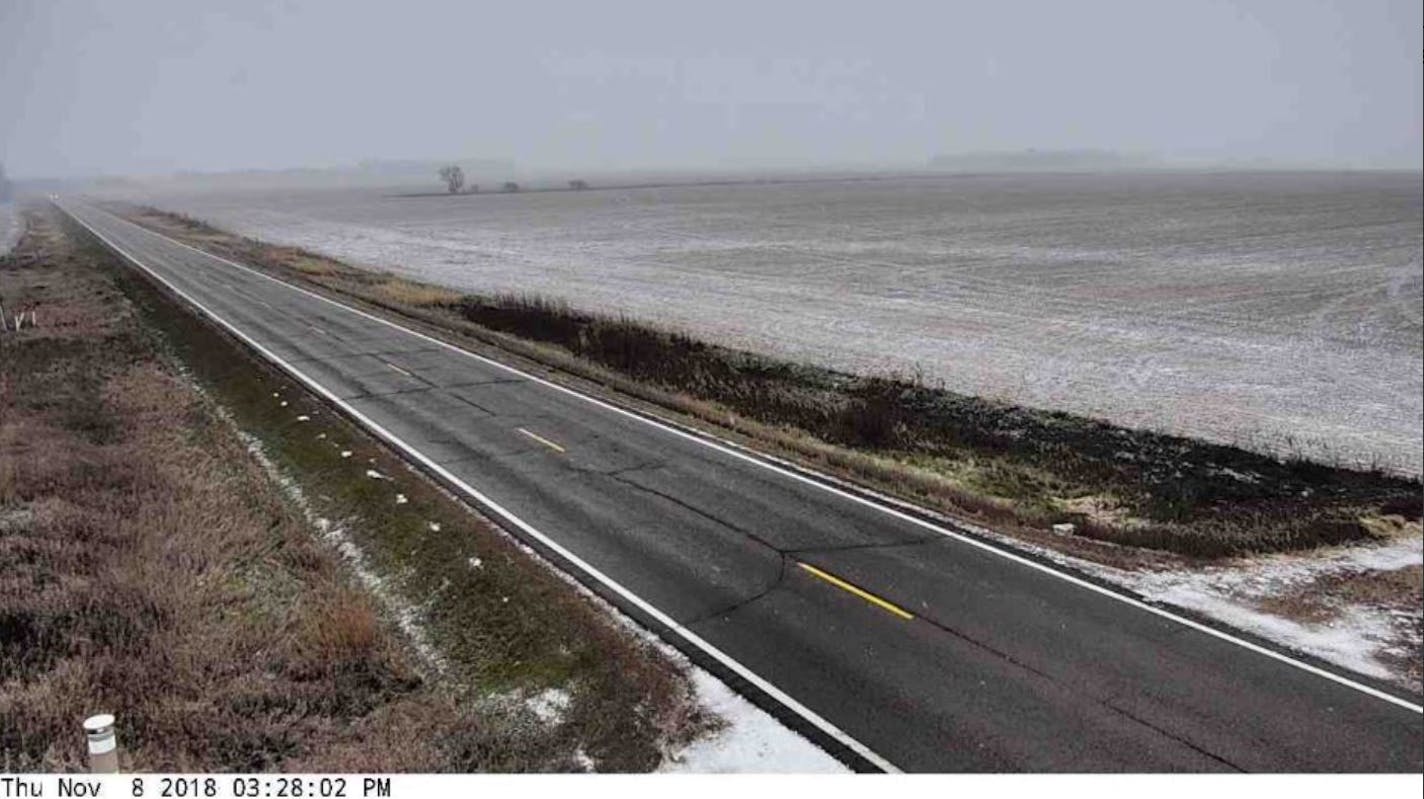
[(103, 744)]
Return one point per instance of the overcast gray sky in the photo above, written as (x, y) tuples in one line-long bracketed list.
[(159, 85)]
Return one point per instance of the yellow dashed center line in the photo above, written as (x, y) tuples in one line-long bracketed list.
[(863, 594), (319, 331), (546, 442), (398, 369)]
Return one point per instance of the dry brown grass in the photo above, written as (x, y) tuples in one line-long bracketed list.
[(1402, 589), (1322, 599), (150, 567), (417, 294), (310, 266)]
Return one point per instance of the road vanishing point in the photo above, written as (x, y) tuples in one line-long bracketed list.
[(894, 640)]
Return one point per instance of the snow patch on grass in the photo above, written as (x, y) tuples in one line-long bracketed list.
[(550, 705), (407, 617), (584, 761), (1354, 638), (1231, 591), (1351, 640), (751, 741)]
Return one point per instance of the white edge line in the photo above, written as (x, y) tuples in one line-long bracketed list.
[(687, 635), (1020, 559)]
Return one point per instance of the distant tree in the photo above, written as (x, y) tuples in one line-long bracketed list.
[(510, 186), (4, 185), (578, 185), (454, 178)]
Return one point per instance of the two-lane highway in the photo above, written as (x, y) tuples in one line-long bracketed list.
[(900, 642)]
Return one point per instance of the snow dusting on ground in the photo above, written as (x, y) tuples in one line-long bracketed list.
[(550, 705), (752, 741), (1278, 312), (407, 616), (1355, 638)]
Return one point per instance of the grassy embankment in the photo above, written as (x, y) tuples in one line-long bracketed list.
[(1020, 470), (159, 559)]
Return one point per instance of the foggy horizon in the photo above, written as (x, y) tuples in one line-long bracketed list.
[(89, 89)]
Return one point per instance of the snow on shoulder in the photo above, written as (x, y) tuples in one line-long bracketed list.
[(752, 742)]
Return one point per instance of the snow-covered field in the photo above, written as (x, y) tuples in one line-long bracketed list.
[(1281, 311)]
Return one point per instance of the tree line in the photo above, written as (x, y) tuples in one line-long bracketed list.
[(454, 178)]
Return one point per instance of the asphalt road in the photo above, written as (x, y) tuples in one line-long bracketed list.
[(894, 641)]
